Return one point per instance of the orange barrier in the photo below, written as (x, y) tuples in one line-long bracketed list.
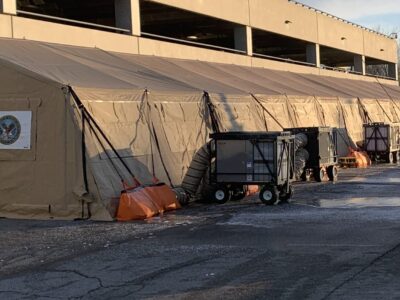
[(142, 202), (362, 158)]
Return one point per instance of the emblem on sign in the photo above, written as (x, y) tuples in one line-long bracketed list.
[(10, 130)]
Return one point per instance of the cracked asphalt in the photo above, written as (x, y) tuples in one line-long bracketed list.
[(334, 241)]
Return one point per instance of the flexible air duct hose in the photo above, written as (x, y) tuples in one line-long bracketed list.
[(301, 155), (197, 170), (300, 141), (300, 160)]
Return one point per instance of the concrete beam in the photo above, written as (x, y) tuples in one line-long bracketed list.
[(313, 54), (8, 7), (127, 15), (359, 64), (244, 39)]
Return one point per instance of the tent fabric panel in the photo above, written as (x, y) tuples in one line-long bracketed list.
[(38, 59), (276, 112), (389, 110), (124, 124), (330, 111), (192, 117), (104, 95), (192, 73), (374, 110), (237, 113), (120, 69), (289, 83), (396, 108), (184, 122), (353, 119), (305, 110), (95, 68)]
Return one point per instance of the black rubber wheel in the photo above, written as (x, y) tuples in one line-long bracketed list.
[(333, 173), (221, 195), (269, 195), (397, 156), (305, 176), (390, 158), (319, 174), (285, 196)]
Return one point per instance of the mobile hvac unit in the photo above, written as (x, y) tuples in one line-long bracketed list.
[(382, 141), (252, 158)]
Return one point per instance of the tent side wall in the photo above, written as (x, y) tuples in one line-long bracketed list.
[(182, 125), (155, 132), (44, 181)]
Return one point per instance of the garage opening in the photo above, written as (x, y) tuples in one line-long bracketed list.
[(180, 26), (380, 68), (338, 60), (99, 14), (279, 47)]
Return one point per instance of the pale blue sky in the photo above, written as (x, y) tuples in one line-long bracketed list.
[(369, 13)]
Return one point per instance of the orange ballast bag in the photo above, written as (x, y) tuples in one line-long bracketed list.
[(146, 201), (136, 205), (164, 196), (362, 158), (252, 190)]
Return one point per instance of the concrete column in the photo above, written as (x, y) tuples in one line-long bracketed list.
[(393, 71), (8, 7), (359, 64), (244, 39), (313, 54), (127, 15), (249, 35)]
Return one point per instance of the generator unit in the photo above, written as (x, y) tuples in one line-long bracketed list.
[(382, 141), (321, 146), (252, 158)]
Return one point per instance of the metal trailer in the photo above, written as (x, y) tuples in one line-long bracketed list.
[(239, 159), (323, 159), (382, 141)]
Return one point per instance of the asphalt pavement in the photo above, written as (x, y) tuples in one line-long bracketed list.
[(334, 241)]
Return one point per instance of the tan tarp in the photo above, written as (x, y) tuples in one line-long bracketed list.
[(154, 111)]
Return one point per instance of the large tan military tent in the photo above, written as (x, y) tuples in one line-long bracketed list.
[(154, 112)]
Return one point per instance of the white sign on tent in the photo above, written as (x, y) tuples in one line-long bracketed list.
[(15, 130)]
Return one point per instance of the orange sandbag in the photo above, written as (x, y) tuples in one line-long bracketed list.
[(362, 158), (164, 196), (146, 201), (136, 205), (366, 157), (252, 190)]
